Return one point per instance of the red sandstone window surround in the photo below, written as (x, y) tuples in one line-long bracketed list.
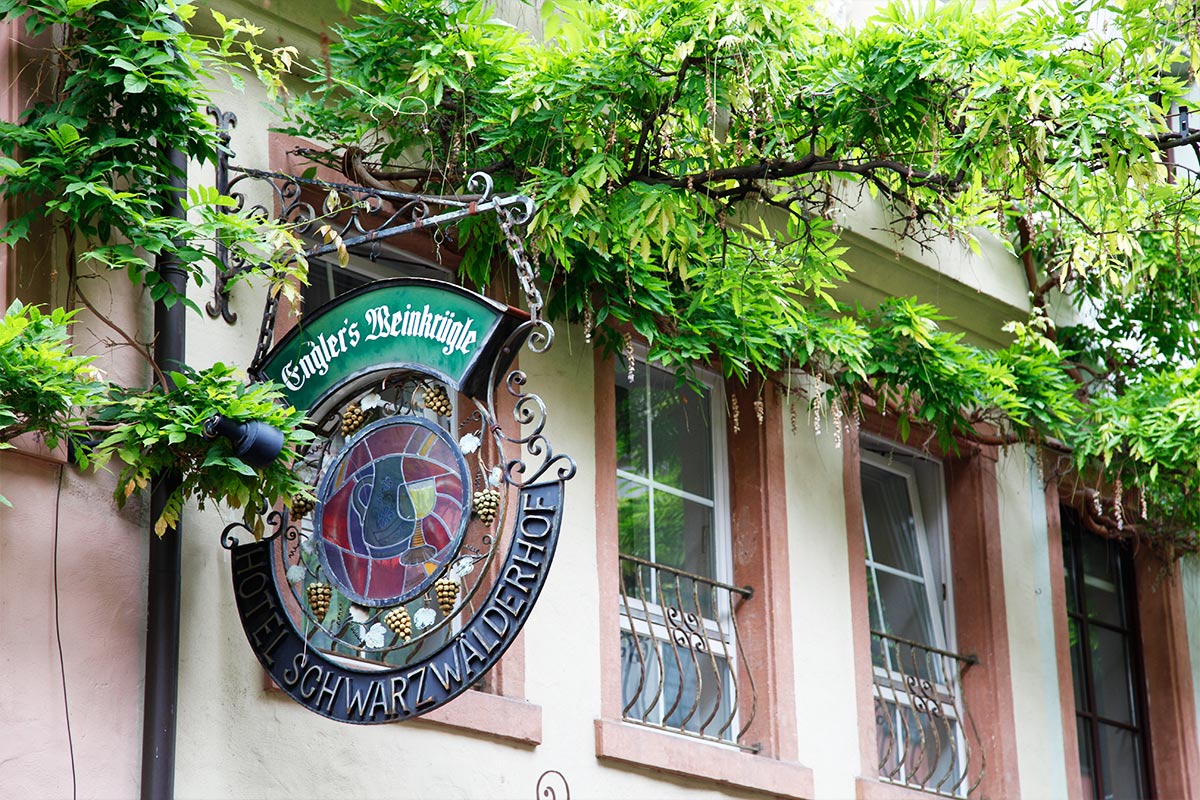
[(1170, 718), (758, 520), (976, 623)]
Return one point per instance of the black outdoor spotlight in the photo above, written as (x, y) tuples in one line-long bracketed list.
[(256, 443)]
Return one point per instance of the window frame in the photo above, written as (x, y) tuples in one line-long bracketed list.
[(651, 620), (934, 577), (759, 523), (1073, 536), (941, 608), (979, 620)]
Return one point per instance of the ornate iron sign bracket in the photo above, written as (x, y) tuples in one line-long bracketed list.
[(356, 214)]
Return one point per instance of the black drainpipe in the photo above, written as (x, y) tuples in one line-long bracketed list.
[(162, 591)]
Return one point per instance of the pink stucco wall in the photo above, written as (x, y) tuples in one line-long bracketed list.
[(101, 598), (101, 578)]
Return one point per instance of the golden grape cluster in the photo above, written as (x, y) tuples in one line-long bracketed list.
[(437, 401), (353, 418), (399, 622), (486, 504), (447, 594), (319, 595)]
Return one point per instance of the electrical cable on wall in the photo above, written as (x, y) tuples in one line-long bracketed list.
[(58, 636)]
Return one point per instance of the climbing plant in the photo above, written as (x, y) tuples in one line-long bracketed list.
[(125, 83), (697, 166)]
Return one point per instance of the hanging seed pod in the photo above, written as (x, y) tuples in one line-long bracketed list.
[(446, 590), (438, 401), (486, 505), (760, 411), (627, 352), (399, 622), (302, 506), (735, 413), (319, 595), (353, 418)]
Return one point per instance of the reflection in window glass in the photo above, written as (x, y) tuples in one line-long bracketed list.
[(677, 643), (1105, 664)]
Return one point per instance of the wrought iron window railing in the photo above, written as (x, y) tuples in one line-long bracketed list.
[(926, 736), (682, 664)]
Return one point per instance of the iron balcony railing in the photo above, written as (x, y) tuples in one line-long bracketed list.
[(682, 664), (926, 736)]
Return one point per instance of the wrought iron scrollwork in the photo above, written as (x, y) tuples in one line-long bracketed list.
[(278, 519), (552, 785), (925, 733), (529, 412), (357, 215)]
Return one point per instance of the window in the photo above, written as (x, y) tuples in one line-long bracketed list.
[(676, 490), (917, 692), (327, 280), (678, 632), (1106, 664)]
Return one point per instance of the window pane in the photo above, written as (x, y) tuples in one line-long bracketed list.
[(1102, 580), (640, 671), (683, 534), (1069, 568), (1121, 762), (631, 420), (1087, 764), (633, 530), (1110, 674), (695, 691), (905, 608), (1081, 702), (889, 517), (887, 738), (682, 431), (930, 747)]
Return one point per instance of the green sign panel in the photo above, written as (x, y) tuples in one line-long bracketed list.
[(398, 323)]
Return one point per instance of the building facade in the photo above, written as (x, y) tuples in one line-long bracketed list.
[(750, 598)]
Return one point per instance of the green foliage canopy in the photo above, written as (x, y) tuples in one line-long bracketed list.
[(92, 158), (692, 161)]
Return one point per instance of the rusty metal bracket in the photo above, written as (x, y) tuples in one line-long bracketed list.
[(354, 215)]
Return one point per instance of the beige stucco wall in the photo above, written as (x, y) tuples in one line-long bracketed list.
[(1027, 597), (238, 739), (822, 643)]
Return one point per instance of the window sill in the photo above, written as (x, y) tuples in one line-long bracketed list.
[(643, 747), (493, 715), (496, 716), (875, 789)]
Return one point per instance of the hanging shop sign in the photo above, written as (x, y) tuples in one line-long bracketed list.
[(388, 596)]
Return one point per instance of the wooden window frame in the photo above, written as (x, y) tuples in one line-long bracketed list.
[(1170, 702)]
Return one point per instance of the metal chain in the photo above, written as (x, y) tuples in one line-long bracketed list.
[(525, 273), (516, 250), (266, 333)]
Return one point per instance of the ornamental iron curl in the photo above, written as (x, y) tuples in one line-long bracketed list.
[(356, 215), (683, 668), (925, 734)]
